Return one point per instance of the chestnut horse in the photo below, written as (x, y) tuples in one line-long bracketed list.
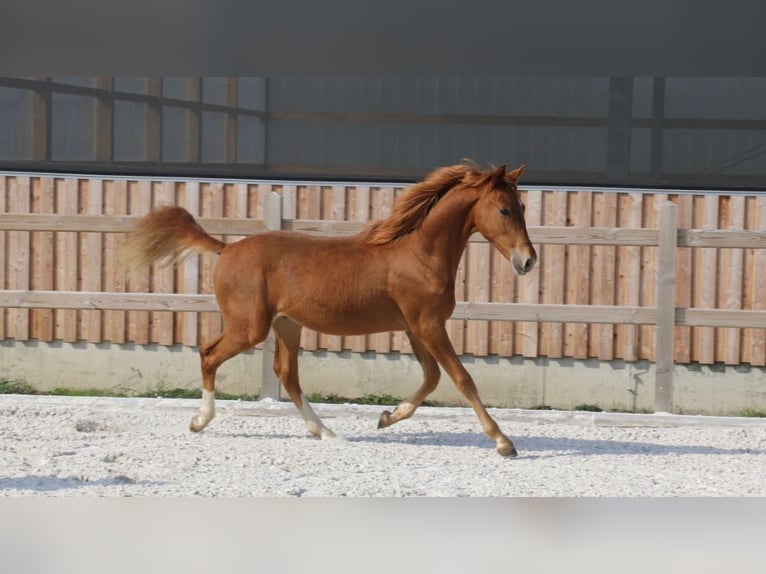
[(397, 274)]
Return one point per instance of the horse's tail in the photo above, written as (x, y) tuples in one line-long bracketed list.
[(168, 233)]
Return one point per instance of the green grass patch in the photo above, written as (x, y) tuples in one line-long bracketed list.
[(589, 408), (753, 413), (8, 387), (371, 399)]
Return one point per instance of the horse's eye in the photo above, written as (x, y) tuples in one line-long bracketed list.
[(504, 211)]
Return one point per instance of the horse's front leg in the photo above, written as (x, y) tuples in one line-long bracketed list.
[(431, 373), (436, 340)]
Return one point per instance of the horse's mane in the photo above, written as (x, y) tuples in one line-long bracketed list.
[(415, 203)]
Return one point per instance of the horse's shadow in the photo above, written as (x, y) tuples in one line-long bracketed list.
[(529, 446), (544, 447), (38, 483)]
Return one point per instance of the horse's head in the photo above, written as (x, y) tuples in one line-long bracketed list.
[(499, 217)]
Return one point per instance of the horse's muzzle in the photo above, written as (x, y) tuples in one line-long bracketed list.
[(523, 264)]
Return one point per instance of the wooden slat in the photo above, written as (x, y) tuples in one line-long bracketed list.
[(3, 264), (603, 276), (117, 223), (463, 310), (67, 260), (18, 257), (553, 273), (529, 285), (102, 301), (735, 274), (190, 272), (211, 205), (758, 297), (140, 198), (708, 287), (648, 275), (629, 269), (115, 203), (42, 258), (737, 239), (547, 235), (91, 261), (684, 265), (581, 276), (163, 280)]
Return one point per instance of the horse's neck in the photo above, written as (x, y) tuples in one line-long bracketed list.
[(446, 230)]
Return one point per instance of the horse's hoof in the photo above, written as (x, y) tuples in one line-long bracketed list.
[(384, 420), (194, 426), (508, 450)]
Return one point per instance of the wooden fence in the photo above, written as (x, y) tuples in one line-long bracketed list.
[(594, 293)]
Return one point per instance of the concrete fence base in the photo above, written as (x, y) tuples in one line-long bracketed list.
[(502, 382)]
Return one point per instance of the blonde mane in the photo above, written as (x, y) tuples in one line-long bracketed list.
[(412, 206)]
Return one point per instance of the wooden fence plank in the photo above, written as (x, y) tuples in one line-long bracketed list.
[(115, 204), (735, 275), (581, 276), (684, 265), (42, 258), (163, 331), (190, 271), (67, 261), (211, 205), (629, 269), (603, 275), (140, 202), (18, 257), (91, 260), (554, 273), (649, 273), (708, 289), (529, 286), (3, 194), (464, 310), (758, 297)]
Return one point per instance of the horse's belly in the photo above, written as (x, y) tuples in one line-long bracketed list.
[(350, 319)]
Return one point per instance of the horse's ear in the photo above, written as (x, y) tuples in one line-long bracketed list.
[(514, 175), (498, 173)]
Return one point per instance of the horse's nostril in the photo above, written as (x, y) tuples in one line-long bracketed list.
[(529, 264)]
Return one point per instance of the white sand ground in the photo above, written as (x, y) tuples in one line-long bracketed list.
[(66, 446)]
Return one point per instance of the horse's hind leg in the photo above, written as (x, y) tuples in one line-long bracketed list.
[(212, 355), (288, 338), (431, 373)]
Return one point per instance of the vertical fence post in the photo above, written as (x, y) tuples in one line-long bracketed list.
[(272, 219), (666, 308)]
